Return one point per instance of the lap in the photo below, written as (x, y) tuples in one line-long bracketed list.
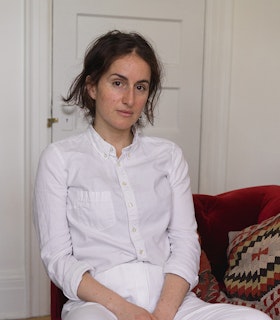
[(194, 308), (191, 309), (88, 311)]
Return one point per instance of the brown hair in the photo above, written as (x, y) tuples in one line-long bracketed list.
[(98, 59)]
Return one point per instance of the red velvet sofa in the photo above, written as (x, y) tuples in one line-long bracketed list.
[(217, 216)]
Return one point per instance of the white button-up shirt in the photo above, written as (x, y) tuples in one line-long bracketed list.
[(93, 210)]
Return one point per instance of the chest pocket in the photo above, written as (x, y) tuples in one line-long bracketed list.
[(95, 209)]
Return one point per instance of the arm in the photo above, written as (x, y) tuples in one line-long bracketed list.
[(173, 292), (50, 221), (181, 268), (91, 290), (182, 229)]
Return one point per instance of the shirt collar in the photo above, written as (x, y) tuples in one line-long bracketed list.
[(105, 149)]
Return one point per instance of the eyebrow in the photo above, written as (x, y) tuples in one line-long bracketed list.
[(125, 78)]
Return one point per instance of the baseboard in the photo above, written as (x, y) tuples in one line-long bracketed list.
[(12, 297)]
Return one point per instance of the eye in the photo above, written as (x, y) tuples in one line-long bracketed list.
[(117, 83), (141, 87)]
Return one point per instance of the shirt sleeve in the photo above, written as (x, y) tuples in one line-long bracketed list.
[(185, 248), (50, 220)]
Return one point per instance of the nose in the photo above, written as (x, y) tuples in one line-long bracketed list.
[(128, 97)]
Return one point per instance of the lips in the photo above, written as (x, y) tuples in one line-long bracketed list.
[(125, 113)]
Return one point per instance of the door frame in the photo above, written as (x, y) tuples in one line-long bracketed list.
[(38, 56), (216, 96), (37, 61)]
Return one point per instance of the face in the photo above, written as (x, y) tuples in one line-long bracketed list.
[(121, 94)]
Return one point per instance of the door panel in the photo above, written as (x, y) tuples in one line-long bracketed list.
[(174, 28)]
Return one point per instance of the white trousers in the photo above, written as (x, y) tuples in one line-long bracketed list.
[(141, 284)]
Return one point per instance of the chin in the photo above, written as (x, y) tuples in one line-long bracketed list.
[(124, 126)]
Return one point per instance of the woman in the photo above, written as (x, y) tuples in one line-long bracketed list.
[(113, 208)]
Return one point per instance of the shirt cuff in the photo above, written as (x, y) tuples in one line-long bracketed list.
[(73, 279)]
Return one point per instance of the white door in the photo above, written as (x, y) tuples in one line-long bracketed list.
[(175, 28)]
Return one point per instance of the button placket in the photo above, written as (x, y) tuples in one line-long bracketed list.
[(133, 219)]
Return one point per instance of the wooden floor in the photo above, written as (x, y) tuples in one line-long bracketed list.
[(39, 318)]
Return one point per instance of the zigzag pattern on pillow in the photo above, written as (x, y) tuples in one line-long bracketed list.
[(253, 274), (254, 261)]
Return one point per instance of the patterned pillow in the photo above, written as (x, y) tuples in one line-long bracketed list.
[(207, 288), (253, 275)]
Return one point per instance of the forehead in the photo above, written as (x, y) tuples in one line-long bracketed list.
[(130, 64)]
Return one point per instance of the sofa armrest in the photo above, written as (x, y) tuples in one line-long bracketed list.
[(57, 301), (231, 211)]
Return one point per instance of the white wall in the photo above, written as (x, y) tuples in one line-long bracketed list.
[(241, 96), (247, 120), (12, 237), (254, 122)]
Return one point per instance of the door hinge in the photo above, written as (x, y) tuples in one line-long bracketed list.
[(51, 121)]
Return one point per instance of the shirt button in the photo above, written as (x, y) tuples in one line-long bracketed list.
[(130, 204), (105, 155), (133, 229), (141, 251), (124, 183)]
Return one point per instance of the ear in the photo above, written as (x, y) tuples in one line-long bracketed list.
[(91, 88)]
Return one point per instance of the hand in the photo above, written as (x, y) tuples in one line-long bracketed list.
[(173, 292), (92, 290), (129, 311)]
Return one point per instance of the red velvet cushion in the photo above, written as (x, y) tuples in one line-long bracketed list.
[(231, 211), (57, 301)]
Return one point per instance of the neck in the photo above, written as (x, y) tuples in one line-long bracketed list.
[(118, 139)]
